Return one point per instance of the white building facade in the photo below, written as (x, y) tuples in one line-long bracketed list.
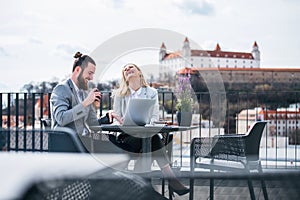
[(187, 57), (281, 121)]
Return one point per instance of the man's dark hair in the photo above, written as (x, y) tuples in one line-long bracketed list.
[(82, 61)]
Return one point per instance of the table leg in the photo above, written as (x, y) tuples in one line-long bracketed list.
[(146, 158), (180, 148)]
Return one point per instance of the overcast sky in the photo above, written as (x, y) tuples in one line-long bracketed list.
[(38, 38)]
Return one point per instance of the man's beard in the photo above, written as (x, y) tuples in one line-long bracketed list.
[(81, 83)]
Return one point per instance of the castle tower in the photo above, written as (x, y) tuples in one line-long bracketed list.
[(256, 53), (162, 52), (186, 53), (218, 48), (186, 49)]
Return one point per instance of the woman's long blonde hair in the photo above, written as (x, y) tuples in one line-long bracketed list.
[(124, 85)]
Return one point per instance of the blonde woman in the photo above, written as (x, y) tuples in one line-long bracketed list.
[(133, 85)]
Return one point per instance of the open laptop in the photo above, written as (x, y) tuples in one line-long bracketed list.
[(139, 112)]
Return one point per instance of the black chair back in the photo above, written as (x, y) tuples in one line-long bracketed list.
[(252, 140), (64, 139)]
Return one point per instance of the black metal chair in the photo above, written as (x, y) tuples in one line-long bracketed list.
[(105, 184), (64, 139), (234, 152), (95, 143)]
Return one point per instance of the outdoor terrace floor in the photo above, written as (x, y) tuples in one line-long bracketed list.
[(281, 188)]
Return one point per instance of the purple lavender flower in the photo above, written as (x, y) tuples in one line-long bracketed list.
[(184, 94)]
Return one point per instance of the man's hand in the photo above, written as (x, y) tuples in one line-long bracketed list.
[(93, 95)]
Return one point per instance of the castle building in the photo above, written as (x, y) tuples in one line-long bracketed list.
[(187, 57), (235, 68)]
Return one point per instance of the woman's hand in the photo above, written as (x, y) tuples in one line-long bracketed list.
[(112, 114)]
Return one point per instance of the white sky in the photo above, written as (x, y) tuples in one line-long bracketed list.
[(38, 38)]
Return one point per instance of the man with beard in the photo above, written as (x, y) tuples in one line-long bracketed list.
[(72, 104)]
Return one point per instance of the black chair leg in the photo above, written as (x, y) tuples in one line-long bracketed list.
[(251, 190), (263, 184), (163, 187), (191, 189), (211, 189), (170, 193)]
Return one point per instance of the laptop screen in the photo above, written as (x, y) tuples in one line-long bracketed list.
[(139, 112)]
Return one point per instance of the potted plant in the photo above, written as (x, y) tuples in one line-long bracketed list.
[(184, 101)]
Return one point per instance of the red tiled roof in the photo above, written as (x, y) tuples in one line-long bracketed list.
[(187, 70), (222, 54), (194, 69), (216, 53), (253, 69), (173, 55)]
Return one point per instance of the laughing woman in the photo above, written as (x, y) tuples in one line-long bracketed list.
[(133, 85)]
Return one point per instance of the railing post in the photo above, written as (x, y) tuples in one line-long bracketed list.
[(17, 121), (33, 122), (1, 114), (25, 122)]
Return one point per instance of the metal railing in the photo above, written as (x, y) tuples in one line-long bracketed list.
[(215, 113)]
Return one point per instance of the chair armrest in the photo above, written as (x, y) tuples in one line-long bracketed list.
[(230, 135)]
